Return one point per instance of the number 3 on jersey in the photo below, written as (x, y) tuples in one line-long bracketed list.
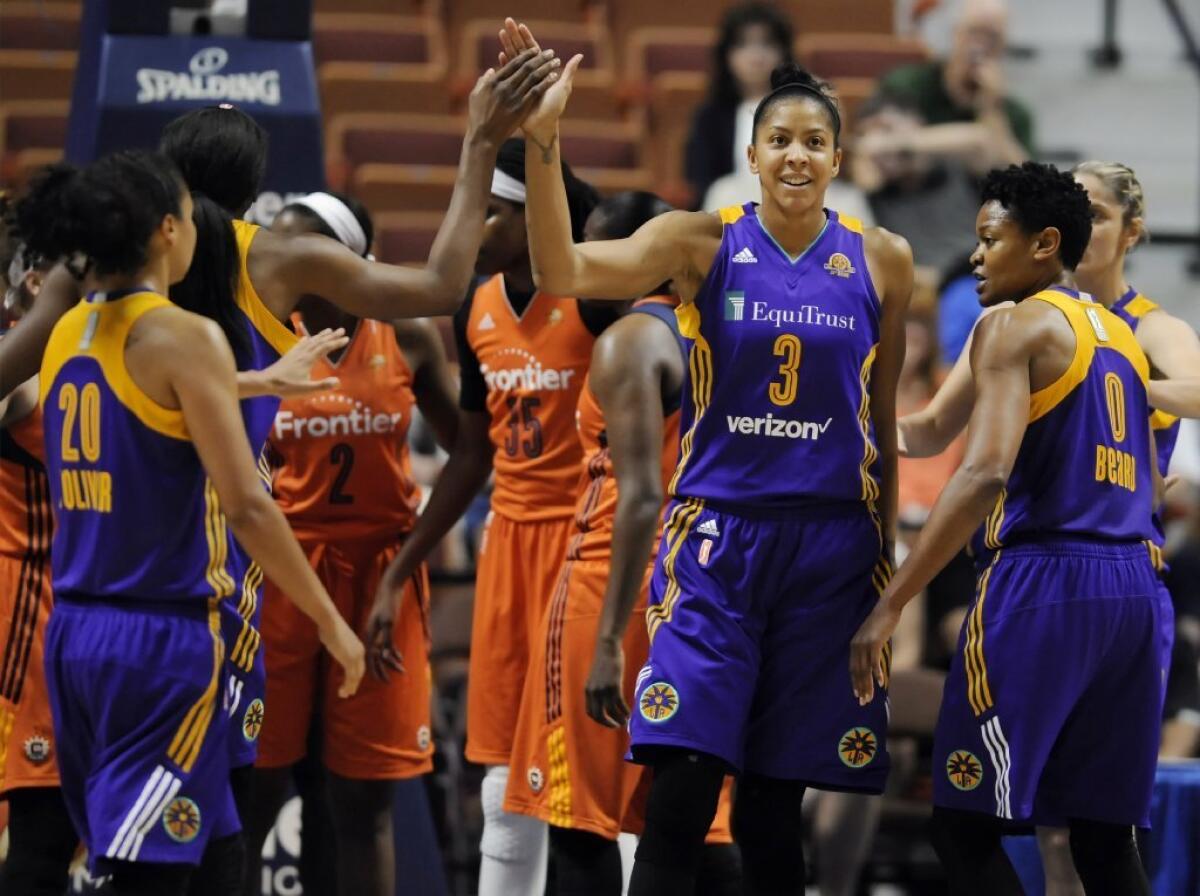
[(783, 392)]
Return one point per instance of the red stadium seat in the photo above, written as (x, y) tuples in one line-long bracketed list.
[(851, 94), (674, 97), (374, 87), (36, 124), (577, 11), (403, 188), (863, 16), (627, 16), (392, 7), (857, 55), (410, 40), (655, 51), (39, 26), (406, 237), (36, 74), (479, 45), (361, 138), (19, 166)]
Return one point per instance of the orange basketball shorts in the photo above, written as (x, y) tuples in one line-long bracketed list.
[(517, 569), (26, 726), (567, 769), (380, 733)]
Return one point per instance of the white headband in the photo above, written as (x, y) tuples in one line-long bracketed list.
[(340, 219), (507, 187)]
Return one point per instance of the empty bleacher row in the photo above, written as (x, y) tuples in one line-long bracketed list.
[(394, 77)]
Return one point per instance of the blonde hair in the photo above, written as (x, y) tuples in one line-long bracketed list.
[(1122, 182)]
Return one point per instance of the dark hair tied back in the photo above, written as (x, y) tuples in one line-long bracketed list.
[(789, 81)]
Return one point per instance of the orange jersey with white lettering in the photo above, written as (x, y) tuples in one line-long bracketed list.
[(341, 457), (25, 517), (532, 366), (597, 504)]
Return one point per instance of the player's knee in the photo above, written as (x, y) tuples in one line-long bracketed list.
[(957, 834), (680, 808), (766, 813), (507, 837), (361, 806), (1097, 843)]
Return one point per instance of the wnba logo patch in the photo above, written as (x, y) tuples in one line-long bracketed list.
[(858, 747), (964, 770), (839, 265), (38, 749), (252, 721), (536, 779), (659, 702), (181, 820)]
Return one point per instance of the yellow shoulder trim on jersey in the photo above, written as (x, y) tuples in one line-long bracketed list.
[(269, 327), (1045, 400), (1162, 420), (854, 225), (99, 331), (731, 214), (688, 316), (1140, 306)]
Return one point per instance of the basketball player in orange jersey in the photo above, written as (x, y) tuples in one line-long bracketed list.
[(523, 356), (41, 838), (343, 479), (569, 772)]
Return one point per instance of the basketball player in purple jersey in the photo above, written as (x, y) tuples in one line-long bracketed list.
[(1065, 634), (777, 539)]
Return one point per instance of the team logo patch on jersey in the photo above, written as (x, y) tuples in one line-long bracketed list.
[(735, 305), (858, 747), (964, 770), (181, 820), (536, 779), (38, 749), (839, 265), (376, 361), (659, 702), (423, 737), (556, 315), (745, 257), (252, 721), (705, 551)]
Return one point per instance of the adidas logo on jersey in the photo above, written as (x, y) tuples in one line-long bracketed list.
[(486, 322), (745, 257), (709, 527)]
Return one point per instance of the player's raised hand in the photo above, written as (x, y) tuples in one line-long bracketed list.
[(382, 653), (602, 694), (292, 374), (543, 118), (347, 651), (866, 651), (502, 99)]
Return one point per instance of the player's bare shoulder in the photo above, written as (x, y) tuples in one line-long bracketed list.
[(890, 260)]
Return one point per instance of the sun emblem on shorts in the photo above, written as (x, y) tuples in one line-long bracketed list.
[(181, 820), (964, 770), (839, 265), (38, 749), (858, 747), (659, 702), (252, 721), (536, 779), (423, 737)]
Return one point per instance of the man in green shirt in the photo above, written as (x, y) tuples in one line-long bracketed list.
[(962, 96)]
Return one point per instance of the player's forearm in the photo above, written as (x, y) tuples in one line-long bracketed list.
[(1180, 397), (548, 217), (459, 482), (634, 525), (452, 256), (252, 384), (962, 506), (261, 528), (889, 500), (918, 435)]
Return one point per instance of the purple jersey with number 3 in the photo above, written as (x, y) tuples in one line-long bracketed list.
[(776, 412)]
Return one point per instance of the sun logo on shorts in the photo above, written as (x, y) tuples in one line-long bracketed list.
[(659, 702), (252, 721), (858, 747), (964, 770), (181, 820)]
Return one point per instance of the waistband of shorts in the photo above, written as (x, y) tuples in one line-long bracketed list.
[(183, 608), (791, 512), (1070, 547)]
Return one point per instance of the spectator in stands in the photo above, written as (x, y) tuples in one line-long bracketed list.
[(755, 38), (962, 97)]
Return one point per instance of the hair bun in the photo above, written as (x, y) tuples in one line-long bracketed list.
[(789, 73)]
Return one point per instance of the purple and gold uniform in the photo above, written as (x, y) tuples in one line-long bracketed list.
[(241, 615), (141, 560), (1051, 708), (771, 552)]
